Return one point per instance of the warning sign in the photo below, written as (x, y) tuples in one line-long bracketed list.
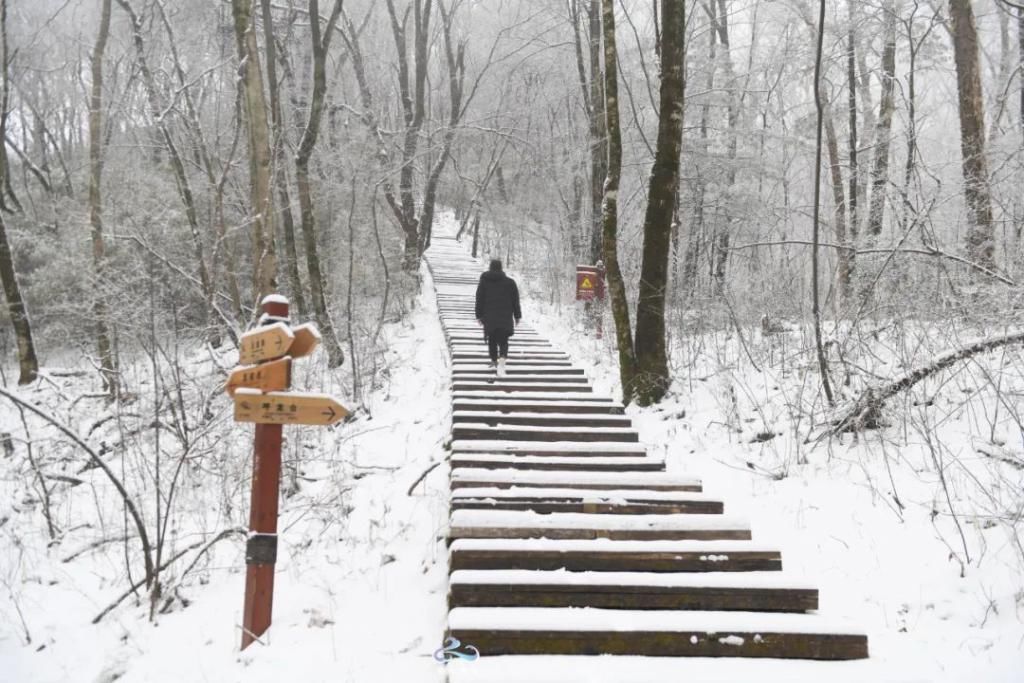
[(589, 283)]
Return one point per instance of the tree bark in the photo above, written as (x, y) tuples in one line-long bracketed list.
[(652, 375), (816, 226), (598, 136), (413, 112), (291, 259), (455, 59), (264, 264), (853, 224), (108, 362), (980, 235), (609, 207), (317, 285), (720, 20), (886, 106), (839, 203), (27, 362)]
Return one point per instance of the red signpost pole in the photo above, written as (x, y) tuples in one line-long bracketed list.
[(261, 548)]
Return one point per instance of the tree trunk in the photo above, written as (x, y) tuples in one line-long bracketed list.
[(652, 375), (255, 106), (980, 235), (455, 59), (317, 285), (598, 140), (886, 106), (724, 232), (839, 203), (609, 207), (108, 363), (27, 362), (291, 259), (413, 98), (853, 224)]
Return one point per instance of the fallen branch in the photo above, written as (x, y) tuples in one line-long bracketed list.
[(421, 477), (866, 413), (94, 457), (138, 584)]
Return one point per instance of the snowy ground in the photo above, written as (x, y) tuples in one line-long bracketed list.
[(361, 576)]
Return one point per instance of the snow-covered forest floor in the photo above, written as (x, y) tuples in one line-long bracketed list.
[(913, 531)]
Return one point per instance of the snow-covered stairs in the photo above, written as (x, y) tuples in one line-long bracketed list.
[(567, 537)]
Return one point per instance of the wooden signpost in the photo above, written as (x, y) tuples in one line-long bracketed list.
[(259, 387)]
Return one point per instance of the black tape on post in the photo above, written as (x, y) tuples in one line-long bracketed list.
[(261, 549)]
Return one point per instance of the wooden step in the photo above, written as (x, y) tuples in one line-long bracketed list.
[(539, 419), (543, 433), (513, 369), (714, 591), (513, 354), (658, 481), (603, 555), (555, 449), (519, 378), (567, 464), (593, 501), (511, 386), (524, 524), (560, 630), (509, 405)]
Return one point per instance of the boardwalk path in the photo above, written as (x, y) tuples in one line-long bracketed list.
[(556, 506)]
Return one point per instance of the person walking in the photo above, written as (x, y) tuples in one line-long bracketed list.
[(497, 310)]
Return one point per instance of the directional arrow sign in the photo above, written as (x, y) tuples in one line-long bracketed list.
[(264, 343), (287, 408), (307, 338), (272, 376)]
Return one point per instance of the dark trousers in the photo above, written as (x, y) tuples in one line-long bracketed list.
[(497, 343)]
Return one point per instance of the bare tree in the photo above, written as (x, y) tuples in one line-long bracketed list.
[(977, 194), (108, 362), (609, 207), (302, 157), (291, 259), (27, 362), (653, 378), (264, 278)]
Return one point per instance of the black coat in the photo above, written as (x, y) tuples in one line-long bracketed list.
[(497, 302)]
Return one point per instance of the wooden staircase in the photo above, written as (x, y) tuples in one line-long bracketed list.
[(567, 537)]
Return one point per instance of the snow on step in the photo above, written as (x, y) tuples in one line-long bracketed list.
[(729, 591), (588, 495), (519, 378), (556, 434), (746, 580), (621, 463), (494, 417), (515, 369), (503, 386), (509, 404), (565, 525), (607, 555), (603, 501), (526, 397), (560, 630), (593, 480), (567, 447)]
